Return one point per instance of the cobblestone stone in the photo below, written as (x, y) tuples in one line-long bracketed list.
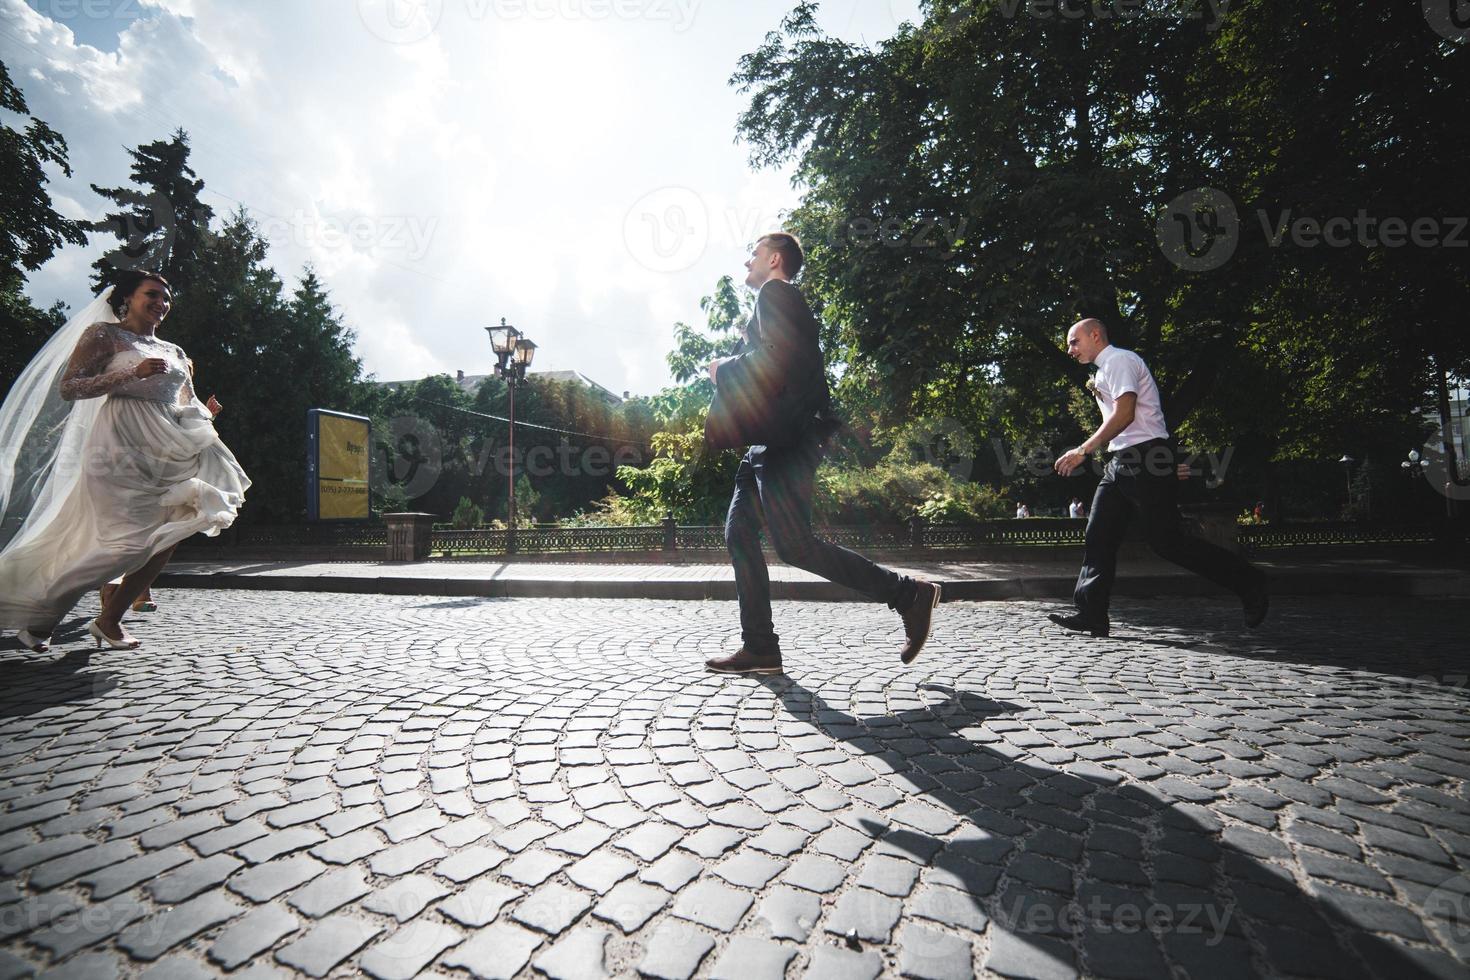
[(675, 952)]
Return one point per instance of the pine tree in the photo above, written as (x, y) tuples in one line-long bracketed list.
[(161, 223)]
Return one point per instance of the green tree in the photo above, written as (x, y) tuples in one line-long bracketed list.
[(31, 230), (989, 175), (160, 222)]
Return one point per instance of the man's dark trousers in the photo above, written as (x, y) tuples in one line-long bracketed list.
[(1141, 480), (778, 481)]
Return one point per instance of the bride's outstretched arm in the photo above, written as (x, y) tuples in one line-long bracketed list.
[(84, 376)]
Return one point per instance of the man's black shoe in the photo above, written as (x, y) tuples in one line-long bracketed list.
[(1256, 603), (745, 662), (1075, 622), (918, 619)]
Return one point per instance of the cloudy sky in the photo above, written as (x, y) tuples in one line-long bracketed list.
[(567, 164)]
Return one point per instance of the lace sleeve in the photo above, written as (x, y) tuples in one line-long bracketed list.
[(85, 377), (187, 394)]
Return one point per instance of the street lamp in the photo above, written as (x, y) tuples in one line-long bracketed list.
[(1347, 468), (1412, 467), (513, 355)]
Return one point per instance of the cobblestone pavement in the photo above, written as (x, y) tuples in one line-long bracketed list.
[(287, 784)]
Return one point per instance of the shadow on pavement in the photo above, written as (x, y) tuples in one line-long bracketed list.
[(34, 682), (1144, 884)]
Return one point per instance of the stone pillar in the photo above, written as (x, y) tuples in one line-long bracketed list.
[(916, 532), (671, 533), (409, 536)]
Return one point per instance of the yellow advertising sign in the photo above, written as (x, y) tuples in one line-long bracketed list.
[(341, 467), (344, 449)]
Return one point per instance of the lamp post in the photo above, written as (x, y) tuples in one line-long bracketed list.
[(1347, 468), (513, 354), (1412, 467)]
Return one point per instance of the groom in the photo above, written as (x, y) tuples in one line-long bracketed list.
[(772, 396)]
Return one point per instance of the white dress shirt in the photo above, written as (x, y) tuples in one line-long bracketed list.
[(1119, 372)]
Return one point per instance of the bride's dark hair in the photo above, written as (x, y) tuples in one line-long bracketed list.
[(127, 284)]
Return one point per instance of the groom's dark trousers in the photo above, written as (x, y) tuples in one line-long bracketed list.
[(1141, 482), (777, 481)]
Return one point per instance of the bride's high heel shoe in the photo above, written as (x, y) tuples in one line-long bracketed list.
[(32, 642), (125, 642)]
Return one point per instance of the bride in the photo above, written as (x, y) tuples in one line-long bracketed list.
[(108, 459)]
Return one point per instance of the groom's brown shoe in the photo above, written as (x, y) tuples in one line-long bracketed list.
[(918, 619), (745, 662)]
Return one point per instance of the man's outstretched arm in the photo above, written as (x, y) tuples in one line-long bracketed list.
[(1122, 417)]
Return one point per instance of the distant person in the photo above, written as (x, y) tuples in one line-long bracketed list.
[(1074, 509), (772, 397), (1022, 511), (1141, 479), (108, 391)]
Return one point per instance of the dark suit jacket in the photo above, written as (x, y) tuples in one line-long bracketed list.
[(770, 391)]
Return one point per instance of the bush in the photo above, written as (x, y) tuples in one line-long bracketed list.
[(894, 491), (467, 515), (611, 511)]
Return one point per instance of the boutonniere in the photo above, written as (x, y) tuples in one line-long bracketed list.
[(1091, 387)]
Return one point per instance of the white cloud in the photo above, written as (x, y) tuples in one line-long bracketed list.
[(482, 171)]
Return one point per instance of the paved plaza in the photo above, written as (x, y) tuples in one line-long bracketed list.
[(288, 784)]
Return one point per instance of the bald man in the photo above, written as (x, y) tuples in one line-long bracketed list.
[(1140, 480)]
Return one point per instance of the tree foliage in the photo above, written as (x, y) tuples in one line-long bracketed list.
[(983, 178), (31, 229)]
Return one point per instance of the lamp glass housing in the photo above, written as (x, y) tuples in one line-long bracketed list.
[(525, 351), (503, 338)]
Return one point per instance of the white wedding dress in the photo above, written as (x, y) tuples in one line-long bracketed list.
[(145, 471)]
